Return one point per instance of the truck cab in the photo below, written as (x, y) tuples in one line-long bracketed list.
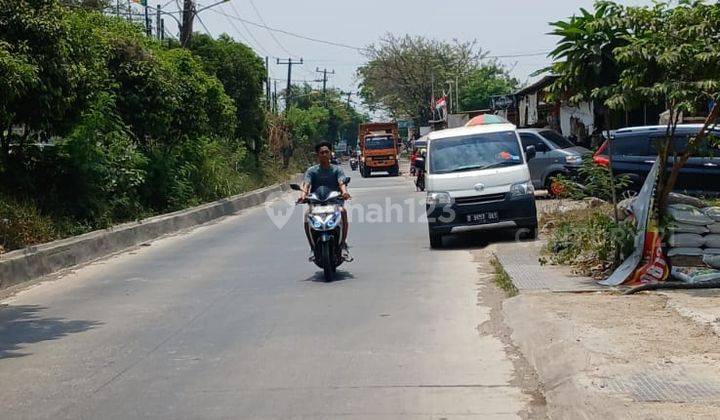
[(378, 149)]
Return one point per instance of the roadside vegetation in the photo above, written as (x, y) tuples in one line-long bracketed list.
[(621, 57), (588, 239), (399, 74), (502, 278), (101, 124)]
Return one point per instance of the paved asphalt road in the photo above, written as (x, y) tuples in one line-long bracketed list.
[(231, 321)]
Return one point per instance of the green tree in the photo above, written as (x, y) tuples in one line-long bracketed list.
[(34, 33), (399, 74), (242, 74), (672, 57), (623, 56), (584, 58), (483, 83)]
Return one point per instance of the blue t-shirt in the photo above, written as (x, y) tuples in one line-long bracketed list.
[(330, 177)]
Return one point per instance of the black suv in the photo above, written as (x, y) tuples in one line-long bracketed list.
[(635, 151)]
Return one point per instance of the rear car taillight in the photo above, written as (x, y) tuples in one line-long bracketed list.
[(600, 158)]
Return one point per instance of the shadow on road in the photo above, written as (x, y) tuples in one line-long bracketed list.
[(20, 325), (340, 275), (480, 239)]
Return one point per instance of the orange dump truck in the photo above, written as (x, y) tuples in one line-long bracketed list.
[(378, 144)]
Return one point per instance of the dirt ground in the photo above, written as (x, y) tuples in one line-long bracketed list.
[(491, 296), (608, 356)]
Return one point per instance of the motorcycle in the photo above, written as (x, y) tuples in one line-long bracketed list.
[(353, 163), (419, 165), (326, 229)]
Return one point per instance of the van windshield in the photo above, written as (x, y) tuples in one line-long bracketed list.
[(478, 151), (557, 139), (377, 143)]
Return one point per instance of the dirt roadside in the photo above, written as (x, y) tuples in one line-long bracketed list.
[(615, 357), (525, 377), (600, 355)]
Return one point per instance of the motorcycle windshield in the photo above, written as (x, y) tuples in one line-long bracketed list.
[(324, 194)]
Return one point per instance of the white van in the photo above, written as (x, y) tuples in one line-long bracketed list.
[(477, 178)]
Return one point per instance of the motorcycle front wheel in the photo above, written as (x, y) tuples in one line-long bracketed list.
[(328, 264)]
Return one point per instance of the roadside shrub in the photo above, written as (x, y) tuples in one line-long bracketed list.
[(104, 168), (21, 224), (594, 181), (588, 240)]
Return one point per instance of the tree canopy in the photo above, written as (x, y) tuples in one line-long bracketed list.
[(100, 123), (622, 56), (484, 82), (398, 77)]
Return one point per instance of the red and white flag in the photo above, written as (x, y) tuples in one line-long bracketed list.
[(441, 103)]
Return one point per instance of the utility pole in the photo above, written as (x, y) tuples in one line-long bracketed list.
[(189, 12), (267, 83), (325, 73), (148, 25), (457, 95), (186, 29), (289, 62), (162, 29), (274, 98), (432, 100), (158, 18), (348, 94), (450, 96)]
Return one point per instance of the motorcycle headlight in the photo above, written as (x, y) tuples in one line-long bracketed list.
[(521, 189), (333, 221), (573, 160), (316, 221), (438, 199)]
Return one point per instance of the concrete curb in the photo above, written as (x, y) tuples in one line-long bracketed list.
[(36, 261)]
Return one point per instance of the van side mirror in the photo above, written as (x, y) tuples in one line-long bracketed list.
[(346, 181), (295, 187), (530, 152)]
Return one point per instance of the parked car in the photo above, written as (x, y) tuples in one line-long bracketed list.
[(476, 179), (555, 155), (635, 150)]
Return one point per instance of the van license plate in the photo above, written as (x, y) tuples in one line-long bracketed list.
[(481, 218)]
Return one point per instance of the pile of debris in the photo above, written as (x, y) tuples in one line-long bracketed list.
[(693, 242)]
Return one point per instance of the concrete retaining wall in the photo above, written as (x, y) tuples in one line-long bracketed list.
[(37, 261)]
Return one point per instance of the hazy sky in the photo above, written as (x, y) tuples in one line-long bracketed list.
[(504, 27)]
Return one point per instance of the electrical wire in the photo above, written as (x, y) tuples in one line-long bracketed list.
[(257, 12), (282, 31), (518, 55), (239, 32), (207, 31), (260, 46)]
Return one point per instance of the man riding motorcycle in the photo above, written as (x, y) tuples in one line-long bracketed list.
[(330, 176)]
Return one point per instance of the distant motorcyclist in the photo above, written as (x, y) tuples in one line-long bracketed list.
[(330, 176)]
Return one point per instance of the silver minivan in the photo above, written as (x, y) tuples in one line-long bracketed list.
[(555, 155), (477, 179)]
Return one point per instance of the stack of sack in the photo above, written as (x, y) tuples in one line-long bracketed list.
[(694, 233)]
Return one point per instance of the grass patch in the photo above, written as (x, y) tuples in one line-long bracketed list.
[(502, 278), (587, 239)]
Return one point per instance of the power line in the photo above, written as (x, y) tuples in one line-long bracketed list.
[(271, 29), (237, 30), (248, 29), (282, 31), (518, 55), (257, 12), (207, 31)]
